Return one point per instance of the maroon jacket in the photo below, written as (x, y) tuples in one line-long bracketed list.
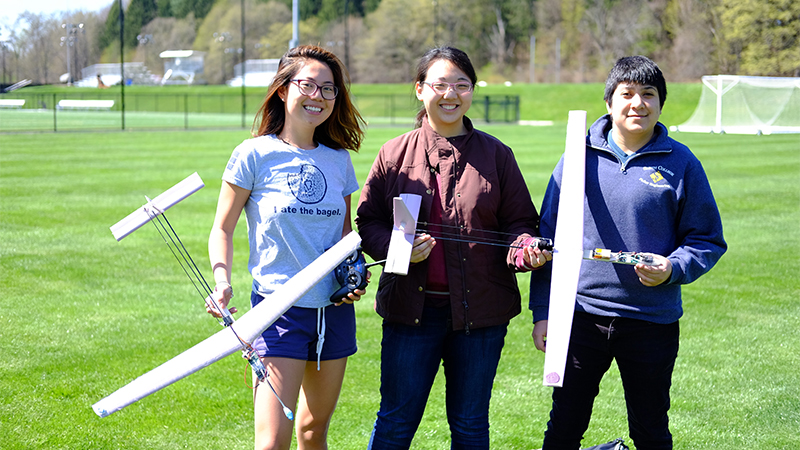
[(482, 189)]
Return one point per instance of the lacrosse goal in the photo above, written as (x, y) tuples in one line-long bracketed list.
[(746, 105)]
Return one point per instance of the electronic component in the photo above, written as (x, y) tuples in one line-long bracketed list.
[(632, 258)]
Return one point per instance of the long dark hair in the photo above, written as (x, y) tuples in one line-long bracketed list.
[(455, 56), (344, 127)]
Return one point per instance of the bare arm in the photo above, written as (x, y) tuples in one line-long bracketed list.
[(220, 242), (348, 224)]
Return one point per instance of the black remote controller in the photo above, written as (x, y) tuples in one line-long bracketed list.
[(351, 274), (543, 243)]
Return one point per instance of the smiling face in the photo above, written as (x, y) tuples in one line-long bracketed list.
[(634, 110), (304, 113), (445, 111)]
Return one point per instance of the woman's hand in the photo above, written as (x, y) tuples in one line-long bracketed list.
[(529, 256), (535, 257), (355, 296), (422, 247), (222, 296)]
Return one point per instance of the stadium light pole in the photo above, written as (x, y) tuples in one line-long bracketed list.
[(4, 47), (122, 61), (346, 35), (295, 24), (558, 61), (68, 41), (435, 22), (532, 61), (223, 37), (144, 39), (244, 100)]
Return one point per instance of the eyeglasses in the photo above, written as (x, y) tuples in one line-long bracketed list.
[(309, 88), (440, 87)]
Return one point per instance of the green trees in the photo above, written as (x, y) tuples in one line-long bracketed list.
[(110, 32), (762, 36), (139, 14), (576, 40), (182, 8)]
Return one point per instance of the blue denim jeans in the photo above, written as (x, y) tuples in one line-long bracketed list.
[(645, 353), (410, 358)]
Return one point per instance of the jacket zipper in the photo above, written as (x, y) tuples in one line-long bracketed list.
[(460, 254)]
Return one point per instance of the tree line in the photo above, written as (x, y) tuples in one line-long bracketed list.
[(544, 41)]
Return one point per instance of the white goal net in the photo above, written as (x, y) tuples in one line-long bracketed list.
[(746, 105)]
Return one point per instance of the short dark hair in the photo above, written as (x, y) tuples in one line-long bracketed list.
[(451, 54), (639, 70)]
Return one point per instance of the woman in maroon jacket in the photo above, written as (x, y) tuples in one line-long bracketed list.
[(454, 305)]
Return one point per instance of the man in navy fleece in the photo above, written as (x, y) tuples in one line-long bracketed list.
[(645, 192)]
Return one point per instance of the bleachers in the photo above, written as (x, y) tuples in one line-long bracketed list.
[(85, 104), (11, 103)]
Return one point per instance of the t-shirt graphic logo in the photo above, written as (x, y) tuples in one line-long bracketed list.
[(232, 161), (309, 185)]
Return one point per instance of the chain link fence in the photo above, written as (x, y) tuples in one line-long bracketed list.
[(93, 110)]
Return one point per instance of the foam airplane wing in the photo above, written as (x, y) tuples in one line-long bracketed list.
[(569, 244), (406, 211), (225, 341), (158, 205)]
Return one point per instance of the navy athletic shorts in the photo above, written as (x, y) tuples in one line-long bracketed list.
[(296, 334)]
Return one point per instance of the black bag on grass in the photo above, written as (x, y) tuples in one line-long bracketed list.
[(616, 444)]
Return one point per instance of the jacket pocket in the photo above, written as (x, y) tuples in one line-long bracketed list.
[(386, 283)]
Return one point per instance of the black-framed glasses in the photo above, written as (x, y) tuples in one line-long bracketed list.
[(440, 87), (309, 88)]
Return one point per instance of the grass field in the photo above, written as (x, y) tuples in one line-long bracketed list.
[(82, 314)]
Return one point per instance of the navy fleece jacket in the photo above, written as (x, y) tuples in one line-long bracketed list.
[(658, 201)]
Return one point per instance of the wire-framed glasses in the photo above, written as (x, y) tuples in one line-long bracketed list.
[(309, 88), (440, 87)]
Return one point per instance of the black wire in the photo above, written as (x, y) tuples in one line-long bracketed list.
[(472, 229), (198, 278), (468, 241), (187, 259), (461, 238), (193, 266), (173, 236)]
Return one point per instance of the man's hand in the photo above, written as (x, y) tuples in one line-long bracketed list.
[(653, 275), (540, 335)]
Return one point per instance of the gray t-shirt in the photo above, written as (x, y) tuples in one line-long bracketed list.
[(296, 209)]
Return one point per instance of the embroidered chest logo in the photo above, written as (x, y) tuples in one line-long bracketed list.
[(308, 185), (656, 177)]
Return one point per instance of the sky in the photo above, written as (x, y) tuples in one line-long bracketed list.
[(11, 9)]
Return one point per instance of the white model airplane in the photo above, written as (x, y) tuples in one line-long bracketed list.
[(569, 244), (406, 212), (567, 256), (566, 260), (157, 206), (234, 337), (569, 252)]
